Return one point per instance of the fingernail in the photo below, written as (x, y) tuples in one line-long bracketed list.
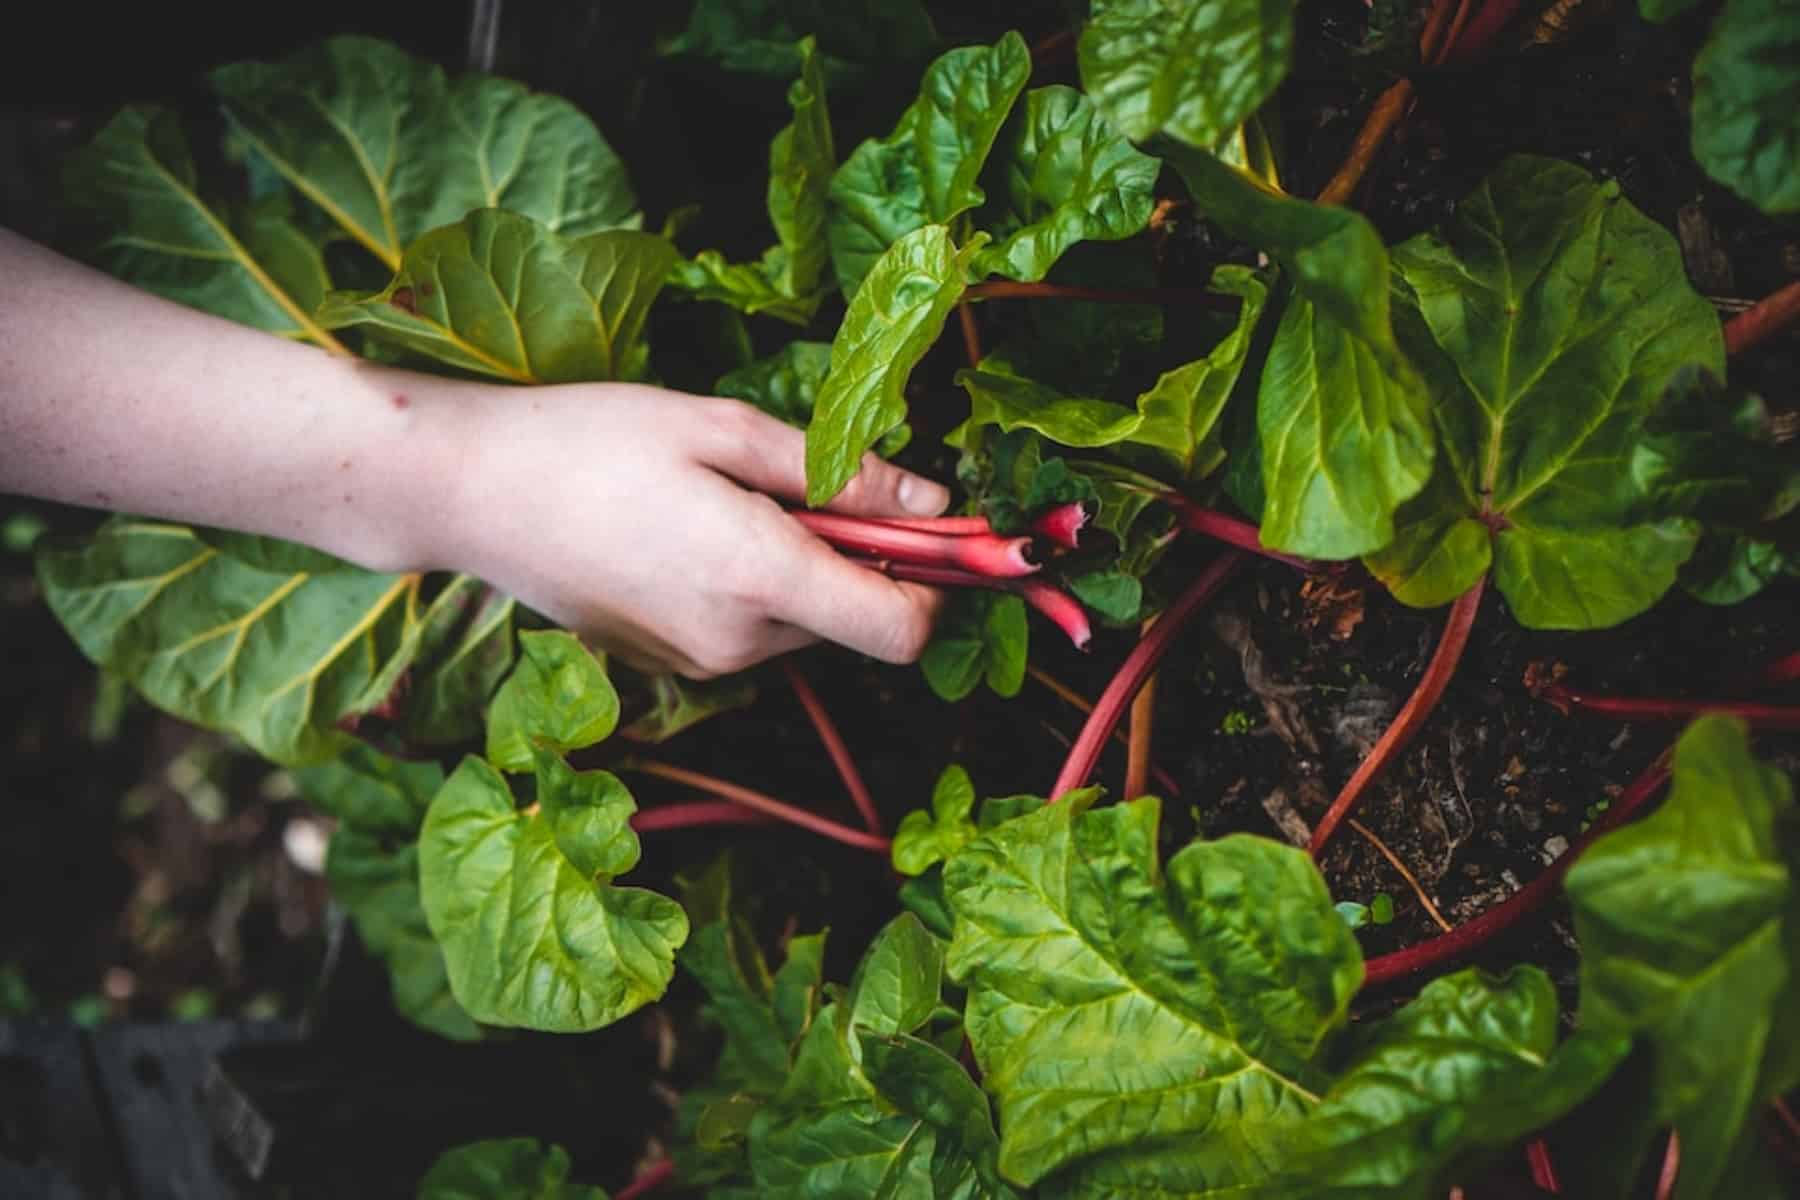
[(921, 497)]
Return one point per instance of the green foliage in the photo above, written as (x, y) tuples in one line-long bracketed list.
[(1746, 119), (513, 1168), (558, 697), (931, 837), (760, 37), (981, 635)]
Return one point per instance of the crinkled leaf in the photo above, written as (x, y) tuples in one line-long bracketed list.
[(557, 696), (1464, 1070), (465, 650), (1068, 177), (1144, 1031), (929, 837), (897, 983), (530, 938), (1681, 920), (893, 320), (388, 149), (379, 886), (504, 1169), (281, 660), (1746, 117), (924, 172), (677, 704), (1546, 318), (981, 635), (372, 792), (498, 294), (1195, 69), (588, 814), (137, 178)]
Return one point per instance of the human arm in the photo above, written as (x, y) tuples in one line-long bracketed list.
[(637, 516)]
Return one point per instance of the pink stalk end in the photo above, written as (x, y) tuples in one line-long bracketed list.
[(1062, 524), (982, 554), (648, 1181), (1230, 530), (1110, 708), (1063, 610), (1671, 1168), (691, 816)]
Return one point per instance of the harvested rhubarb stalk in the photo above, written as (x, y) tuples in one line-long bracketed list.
[(979, 554)]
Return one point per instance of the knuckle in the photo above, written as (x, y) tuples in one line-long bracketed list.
[(906, 639)]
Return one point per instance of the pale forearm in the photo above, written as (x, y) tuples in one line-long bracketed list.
[(115, 399)]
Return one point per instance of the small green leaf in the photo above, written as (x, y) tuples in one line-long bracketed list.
[(980, 635), (1746, 118), (465, 650), (531, 938), (371, 792), (1116, 595), (504, 1169), (897, 983), (928, 837), (1681, 918), (557, 696), (498, 294), (1195, 69), (1069, 177), (1381, 909), (924, 172), (893, 320), (1355, 915)]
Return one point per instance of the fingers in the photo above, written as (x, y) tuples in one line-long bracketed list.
[(761, 453), (857, 607)]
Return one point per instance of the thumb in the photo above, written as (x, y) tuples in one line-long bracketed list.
[(762, 453)]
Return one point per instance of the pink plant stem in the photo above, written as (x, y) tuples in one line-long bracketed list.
[(1526, 900), (758, 801), (692, 816), (1785, 669), (949, 526), (1437, 676), (1060, 607), (1062, 524), (1063, 610), (648, 1181), (1110, 708), (834, 746), (980, 554), (1543, 1171), (1762, 319), (1671, 1168), (1633, 708), (1230, 530)]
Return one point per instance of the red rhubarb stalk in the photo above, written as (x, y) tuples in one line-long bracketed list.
[(1526, 900), (1230, 530), (834, 746), (1543, 1171), (950, 526), (692, 816), (1671, 1167), (1062, 524), (1633, 708), (647, 1182), (981, 554), (1406, 726), (1111, 706), (1061, 608), (1762, 319), (738, 794)]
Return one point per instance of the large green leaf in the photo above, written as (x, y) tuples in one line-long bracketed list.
[(1144, 1033), (1195, 69), (137, 178), (893, 320), (1068, 177), (533, 929), (1683, 922), (981, 635), (1546, 319), (498, 294), (924, 172), (1746, 118), (1342, 417), (281, 660), (557, 697), (504, 1169), (388, 149), (1466, 1069), (929, 837)]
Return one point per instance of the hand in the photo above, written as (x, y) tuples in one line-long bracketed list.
[(642, 518)]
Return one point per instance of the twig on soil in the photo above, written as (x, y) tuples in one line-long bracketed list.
[(1412, 881), (1143, 725), (1437, 676), (834, 746), (749, 798), (1762, 319), (647, 1182), (1142, 660)]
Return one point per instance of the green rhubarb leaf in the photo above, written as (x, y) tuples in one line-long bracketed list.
[(558, 696), (786, 386), (465, 650), (1746, 118), (759, 36), (924, 172), (1087, 347), (284, 661), (1460, 1073), (1117, 596), (378, 885), (531, 937), (1730, 568), (1546, 318), (893, 320), (513, 1168), (386, 147), (138, 181), (1342, 417), (930, 837), (1195, 69), (981, 635), (897, 984), (1684, 920), (371, 792), (1068, 177), (1144, 1031), (676, 704), (722, 956), (498, 294), (1711, 454)]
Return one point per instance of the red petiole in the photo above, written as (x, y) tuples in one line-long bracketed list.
[(1230, 530), (693, 816), (949, 526), (979, 554), (1061, 608), (1636, 708), (1063, 524), (756, 801)]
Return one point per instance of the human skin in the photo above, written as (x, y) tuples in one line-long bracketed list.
[(644, 519)]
